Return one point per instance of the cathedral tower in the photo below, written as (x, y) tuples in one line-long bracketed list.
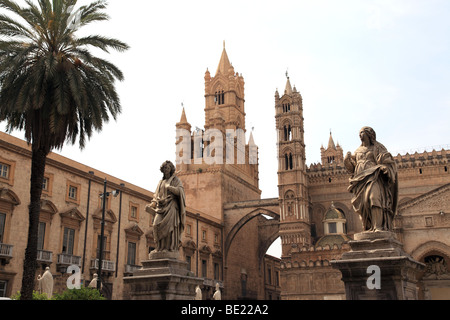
[(224, 97), (222, 167), (295, 227)]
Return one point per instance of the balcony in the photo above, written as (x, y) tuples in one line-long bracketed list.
[(65, 260), (107, 266), (6, 253), (45, 257)]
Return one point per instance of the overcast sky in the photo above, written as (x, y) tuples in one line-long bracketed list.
[(381, 63)]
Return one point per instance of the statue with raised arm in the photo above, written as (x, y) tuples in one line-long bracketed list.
[(374, 182), (46, 283), (169, 210)]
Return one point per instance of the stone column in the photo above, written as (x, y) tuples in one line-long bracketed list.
[(377, 268)]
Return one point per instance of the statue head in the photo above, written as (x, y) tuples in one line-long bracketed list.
[(167, 165), (371, 134)]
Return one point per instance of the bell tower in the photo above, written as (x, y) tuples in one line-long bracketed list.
[(295, 230), (216, 164), (224, 97)]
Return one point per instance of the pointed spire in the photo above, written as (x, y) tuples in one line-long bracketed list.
[(224, 64), (183, 119), (288, 89), (183, 124), (331, 144)]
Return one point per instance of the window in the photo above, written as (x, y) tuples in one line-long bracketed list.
[(287, 133), (216, 238), (204, 235), (269, 276), (332, 227), (68, 241), (2, 226), (41, 236), (104, 246), (188, 230), (131, 259), (219, 98), (204, 269), (45, 184), (134, 212), (216, 271), (4, 171), (189, 262), (7, 171), (73, 192), (3, 286)]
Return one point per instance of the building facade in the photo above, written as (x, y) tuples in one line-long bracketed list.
[(229, 227), (422, 222)]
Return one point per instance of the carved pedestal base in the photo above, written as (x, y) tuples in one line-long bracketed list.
[(161, 279), (377, 268)]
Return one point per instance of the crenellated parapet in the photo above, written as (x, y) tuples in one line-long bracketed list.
[(423, 159)]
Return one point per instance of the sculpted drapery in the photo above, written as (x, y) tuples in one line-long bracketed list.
[(169, 209), (374, 183)]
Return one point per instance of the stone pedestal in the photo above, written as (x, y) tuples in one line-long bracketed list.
[(163, 277), (379, 258)]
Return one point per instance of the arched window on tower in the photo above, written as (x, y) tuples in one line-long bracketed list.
[(287, 133), (288, 162), (286, 107), (219, 97), (289, 203)]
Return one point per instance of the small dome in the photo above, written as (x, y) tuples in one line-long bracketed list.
[(334, 214)]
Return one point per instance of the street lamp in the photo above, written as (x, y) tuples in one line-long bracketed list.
[(104, 196)]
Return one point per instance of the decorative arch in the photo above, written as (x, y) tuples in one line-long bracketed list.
[(425, 249), (242, 222), (9, 196), (48, 210)]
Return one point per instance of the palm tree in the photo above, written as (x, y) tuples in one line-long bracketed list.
[(53, 88)]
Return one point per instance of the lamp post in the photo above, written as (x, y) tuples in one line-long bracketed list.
[(104, 196), (118, 229), (91, 174), (102, 233)]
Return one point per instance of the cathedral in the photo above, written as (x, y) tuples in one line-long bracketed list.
[(313, 215), (229, 227)]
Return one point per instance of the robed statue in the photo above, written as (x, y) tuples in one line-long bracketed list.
[(46, 283), (169, 210), (374, 182)]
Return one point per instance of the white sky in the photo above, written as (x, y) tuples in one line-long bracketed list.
[(382, 63)]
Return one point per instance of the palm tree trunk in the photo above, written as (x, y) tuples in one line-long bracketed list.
[(38, 160)]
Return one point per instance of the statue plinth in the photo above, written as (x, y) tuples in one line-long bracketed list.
[(377, 268), (163, 277)]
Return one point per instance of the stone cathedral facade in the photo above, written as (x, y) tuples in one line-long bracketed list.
[(229, 227)]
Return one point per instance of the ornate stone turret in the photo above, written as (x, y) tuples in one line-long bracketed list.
[(295, 227)]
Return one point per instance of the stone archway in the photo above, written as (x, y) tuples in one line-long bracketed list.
[(250, 229), (247, 218), (434, 281)]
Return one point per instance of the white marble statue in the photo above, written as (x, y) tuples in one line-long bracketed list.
[(94, 281), (217, 295), (198, 293), (46, 283)]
